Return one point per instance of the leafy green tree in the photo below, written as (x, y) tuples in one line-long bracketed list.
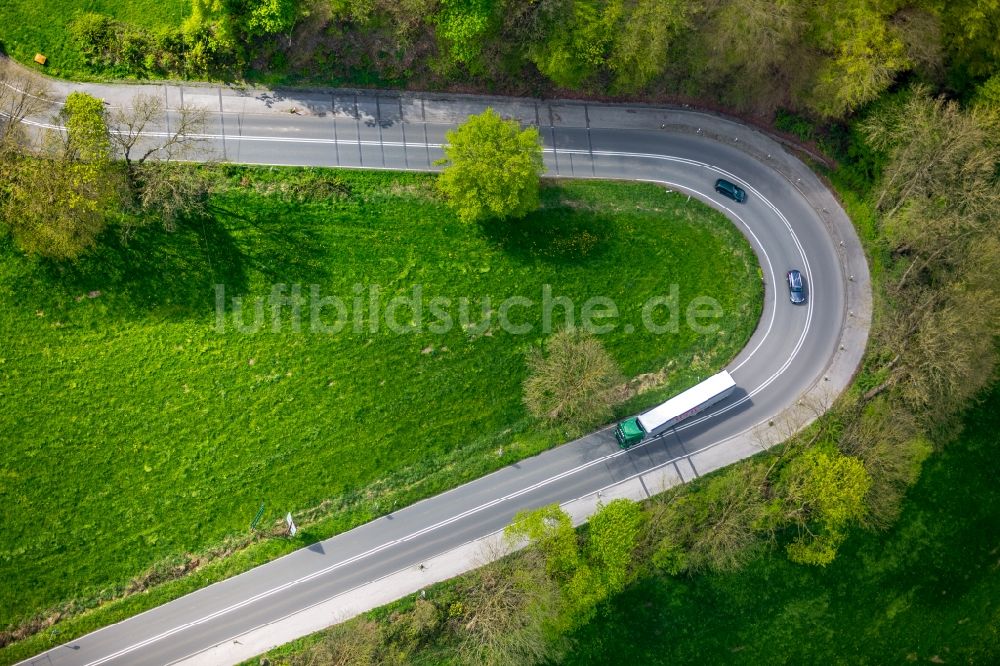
[(58, 204), (988, 94), (582, 594), (575, 382), (493, 168), (970, 35), (551, 530), (209, 36), (614, 533), (360, 11), (581, 587), (270, 17), (642, 45), (866, 54), (823, 492), (463, 26), (53, 208), (578, 44), (986, 105), (87, 138)]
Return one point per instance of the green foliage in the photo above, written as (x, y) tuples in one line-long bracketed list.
[(550, 529), (823, 493), (584, 578), (360, 11), (58, 205), (53, 208), (585, 590), (642, 48), (202, 46), (794, 124), (574, 382), (87, 137), (260, 18), (865, 57), (970, 36), (578, 43), (96, 35), (988, 94), (464, 26), (614, 534), (493, 168)]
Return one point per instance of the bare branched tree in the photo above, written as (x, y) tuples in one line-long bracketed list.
[(148, 143), (356, 643), (22, 95), (717, 527), (752, 41), (940, 204), (506, 610), (140, 131)]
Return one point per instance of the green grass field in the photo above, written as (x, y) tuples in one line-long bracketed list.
[(28, 27), (133, 431), (926, 591)]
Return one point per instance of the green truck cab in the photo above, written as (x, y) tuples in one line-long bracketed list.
[(663, 417), (629, 432)]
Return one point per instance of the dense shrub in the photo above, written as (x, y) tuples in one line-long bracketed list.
[(125, 50)]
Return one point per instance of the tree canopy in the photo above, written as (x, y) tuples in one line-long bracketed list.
[(823, 492), (574, 382), (56, 205), (614, 534), (493, 168)]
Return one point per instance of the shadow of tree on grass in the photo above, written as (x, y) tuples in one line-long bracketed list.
[(560, 236)]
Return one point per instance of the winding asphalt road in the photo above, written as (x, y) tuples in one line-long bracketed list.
[(797, 361)]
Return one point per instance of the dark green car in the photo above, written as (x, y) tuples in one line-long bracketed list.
[(727, 189)]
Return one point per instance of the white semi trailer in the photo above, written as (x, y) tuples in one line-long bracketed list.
[(663, 417)]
